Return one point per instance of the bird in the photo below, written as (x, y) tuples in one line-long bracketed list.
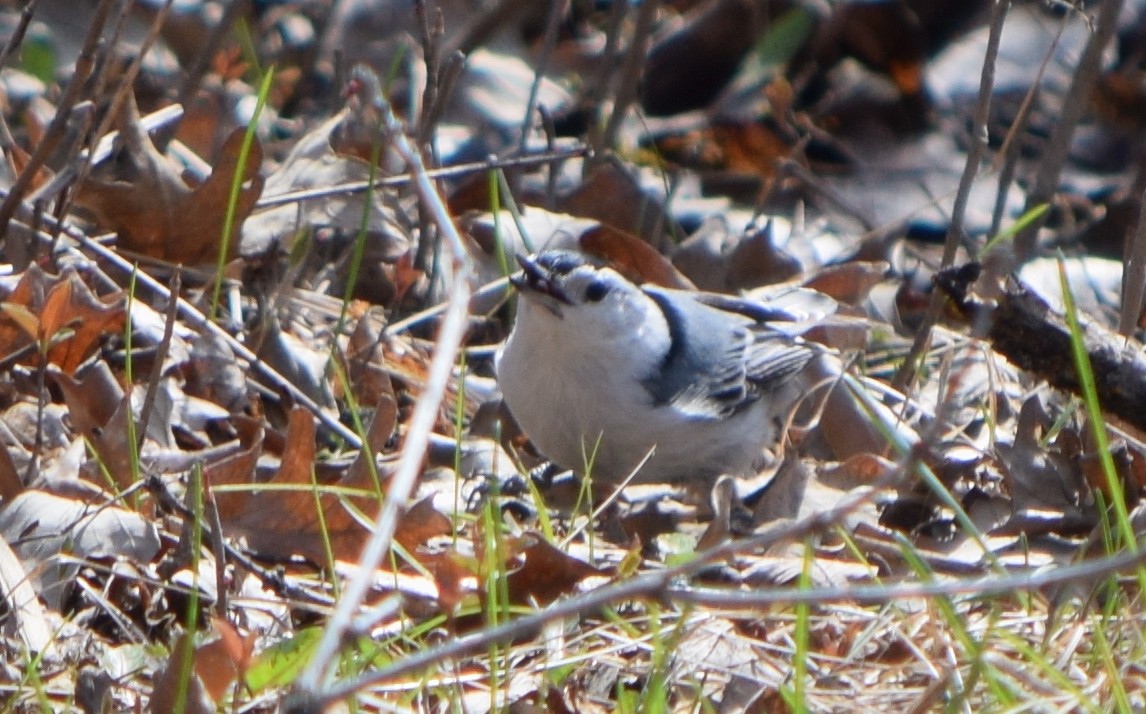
[(605, 375)]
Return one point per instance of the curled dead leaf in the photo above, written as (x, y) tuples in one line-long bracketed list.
[(59, 314), (298, 516), (546, 573), (633, 257), (142, 196)]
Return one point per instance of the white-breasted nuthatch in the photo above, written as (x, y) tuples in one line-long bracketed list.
[(600, 372)]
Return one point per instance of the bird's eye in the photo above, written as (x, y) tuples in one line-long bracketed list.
[(596, 291)]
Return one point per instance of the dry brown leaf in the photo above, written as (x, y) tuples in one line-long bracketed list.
[(377, 435), (238, 468), (20, 161), (612, 196), (92, 399), (71, 305), (421, 523), (26, 618), (366, 362), (689, 65), (631, 528), (846, 425), (1090, 465), (11, 484), (314, 164), (29, 293), (220, 661), (100, 410), (752, 148), (632, 257), (296, 360), (198, 699), (857, 471), (41, 525), (60, 311), (20, 323), (546, 573), (208, 115), (453, 577), (1044, 485), (214, 667), (214, 374), (142, 196), (851, 282), (756, 261), (785, 494), (279, 523), (282, 523)]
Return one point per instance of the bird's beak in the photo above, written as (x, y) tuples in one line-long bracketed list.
[(537, 282)]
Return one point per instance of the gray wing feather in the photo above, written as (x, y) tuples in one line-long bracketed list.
[(720, 362)]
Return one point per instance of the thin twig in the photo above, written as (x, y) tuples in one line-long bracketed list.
[(310, 685), (1088, 571), (659, 585), (599, 88), (538, 159), (198, 69), (104, 147), (58, 127), (975, 154), (432, 26), (630, 72), (500, 285), (554, 169), (1010, 150), (434, 101), (1074, 104), (198, 321), (18, 34), (476, 33), (113, 113), (1134, 265), (269, 577), (557, 9), (215, 535), (161, 351)]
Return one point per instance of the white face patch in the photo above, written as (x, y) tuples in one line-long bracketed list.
[(613, 313)]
